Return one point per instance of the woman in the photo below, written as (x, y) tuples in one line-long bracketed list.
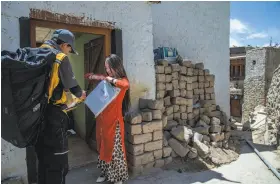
[(110, 124)]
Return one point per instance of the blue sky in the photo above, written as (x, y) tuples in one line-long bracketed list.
[(253, 23)]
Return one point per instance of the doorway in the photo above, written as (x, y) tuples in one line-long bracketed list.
[(80, 143)]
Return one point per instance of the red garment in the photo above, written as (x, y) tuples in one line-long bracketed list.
[(106, 124)]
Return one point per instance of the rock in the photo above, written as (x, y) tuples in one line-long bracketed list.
[(206, 119), (170, 124), (192, 153), (206, 138), (215, 121), (143, 103), (164, 142), (197, 137), (159, 163), (164, 121), (147, 116), (215, 137), (202, 150), (167, 135), (167, 160), (225, 144), (134, 118), (215, 129), (227, 135), (174, 154), (152, 126), (167, 101), (222, 136), (201, 123), (182, 133), (178, 147), (237, 126), (199, 66), (202, 130), (167, 151)]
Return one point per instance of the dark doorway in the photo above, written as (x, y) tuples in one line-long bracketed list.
[(94, 63)]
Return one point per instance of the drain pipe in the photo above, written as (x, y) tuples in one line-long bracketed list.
[(270, 167)]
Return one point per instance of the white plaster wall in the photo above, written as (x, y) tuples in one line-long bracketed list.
[(200, 32), (135, 20)]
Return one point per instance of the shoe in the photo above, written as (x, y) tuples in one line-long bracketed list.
[(119, 182), (100, 179)]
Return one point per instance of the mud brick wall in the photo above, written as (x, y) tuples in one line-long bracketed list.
[(145, 137)]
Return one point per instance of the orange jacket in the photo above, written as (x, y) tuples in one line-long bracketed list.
[(106, 124)]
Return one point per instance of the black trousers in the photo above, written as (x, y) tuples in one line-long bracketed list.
[(52, 148)]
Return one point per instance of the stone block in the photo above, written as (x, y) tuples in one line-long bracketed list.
[(159, 163), (209, 90), (135, 160), (182, 84), (174, 93), (191, 123), (157, 135), (210, 78), (183, 108), (183, 92), (147, 116), (167, 101), (178, 147), (170, 117), (141, 138), (160, 77), (152, 126), (160, 94), (200, 85), (175, 84), (168, 86), (177, 116), (189, 109), (164, 120), (215, 114), (195, 112), (158, 154), (189, 80), (175, 67), (134, 118), (202, 150), (201, 91), (156, 104), (176, 108), (206, 72), (206, 84), (162, 62), (195, 79), (206, 119), (147, 157), (201, 97), (143, 103), (189, 86), (159, 69), (195, 71), (190, 71), (175, 75), (200, 72), (169, 110), (201, 79), (167, 70), (201, 110), (168, 78), (151, 146), (215, 137), (192, 153), (190, 116), (160, 86), (148, 166), (207, 97), (133, 129), (206, 138), (196, 91), (183, 78), (199, 66), (195, 85), (182, 133), (202, 130), (186, 63), (215, 129), (189, 94), (136, 149), (183, 70), (167, 152), (212, 96), (211, 84), (181, 101), (157, 114)]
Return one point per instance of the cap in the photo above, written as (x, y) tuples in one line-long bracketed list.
[(65, 36)]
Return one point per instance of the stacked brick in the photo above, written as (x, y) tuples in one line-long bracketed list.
[(145, 137), (194, 122)]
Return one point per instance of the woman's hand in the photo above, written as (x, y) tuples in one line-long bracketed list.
[(110, 79)]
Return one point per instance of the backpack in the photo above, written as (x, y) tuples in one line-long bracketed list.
[(24, 80)]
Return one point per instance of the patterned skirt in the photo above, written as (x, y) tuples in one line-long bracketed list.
[(117, 169)]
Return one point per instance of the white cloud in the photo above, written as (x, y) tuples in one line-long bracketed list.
[(233, 42), (236, 26), (257, 35)]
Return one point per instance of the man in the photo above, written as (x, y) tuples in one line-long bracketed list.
[(52, 145)]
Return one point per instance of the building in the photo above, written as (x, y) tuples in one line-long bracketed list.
[(199, 31), (260, 66)]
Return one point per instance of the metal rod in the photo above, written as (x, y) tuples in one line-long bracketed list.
[(275, 172)]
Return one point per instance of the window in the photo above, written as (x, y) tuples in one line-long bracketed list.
[(237, 70)]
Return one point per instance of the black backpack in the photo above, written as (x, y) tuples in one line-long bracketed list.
[(24, 80)]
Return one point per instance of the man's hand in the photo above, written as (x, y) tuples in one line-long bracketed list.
[(84, 95), (91, 76)]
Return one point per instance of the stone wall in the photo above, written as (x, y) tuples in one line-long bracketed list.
[(254, 83), (182, 122), (273, 105)]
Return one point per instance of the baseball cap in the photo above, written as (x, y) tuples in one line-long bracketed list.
[(65, 36)]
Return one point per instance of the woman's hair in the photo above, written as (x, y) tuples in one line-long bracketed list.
[(115, 63)]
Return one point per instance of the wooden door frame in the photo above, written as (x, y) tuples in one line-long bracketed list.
[(106, 32)]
